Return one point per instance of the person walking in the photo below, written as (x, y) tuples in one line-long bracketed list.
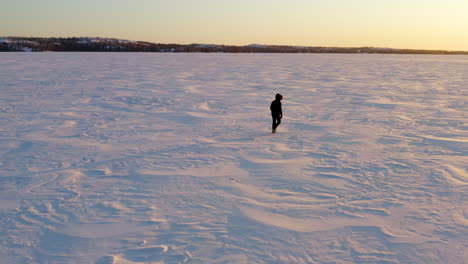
[(276, 112)]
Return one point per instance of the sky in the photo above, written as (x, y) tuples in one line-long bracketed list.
[(413, 24)]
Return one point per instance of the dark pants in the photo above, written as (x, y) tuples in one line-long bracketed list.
[(276, 120)]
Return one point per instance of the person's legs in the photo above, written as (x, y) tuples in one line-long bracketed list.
[(273, 126), (276, 122)]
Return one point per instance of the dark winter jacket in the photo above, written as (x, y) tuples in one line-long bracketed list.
[(276, 108)]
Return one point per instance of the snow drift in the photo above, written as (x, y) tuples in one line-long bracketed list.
[(169, 158)]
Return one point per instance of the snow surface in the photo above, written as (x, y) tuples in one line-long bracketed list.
[(168, 158)]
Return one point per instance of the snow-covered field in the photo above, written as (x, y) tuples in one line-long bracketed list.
[(169, 158)]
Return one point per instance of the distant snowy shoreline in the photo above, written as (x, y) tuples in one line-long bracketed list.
[(73, 44)]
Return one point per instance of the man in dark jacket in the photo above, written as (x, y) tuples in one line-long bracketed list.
[(276, 112)]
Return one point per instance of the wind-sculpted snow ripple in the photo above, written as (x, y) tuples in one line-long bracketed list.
[(169, 158)]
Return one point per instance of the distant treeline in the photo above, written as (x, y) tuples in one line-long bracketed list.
[(116, 45)]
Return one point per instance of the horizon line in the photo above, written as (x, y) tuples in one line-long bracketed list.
[(234, 45)]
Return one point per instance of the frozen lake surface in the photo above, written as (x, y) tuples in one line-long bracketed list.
[(169, 158)]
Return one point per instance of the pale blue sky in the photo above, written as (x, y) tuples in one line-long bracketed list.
[(426, 24)]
